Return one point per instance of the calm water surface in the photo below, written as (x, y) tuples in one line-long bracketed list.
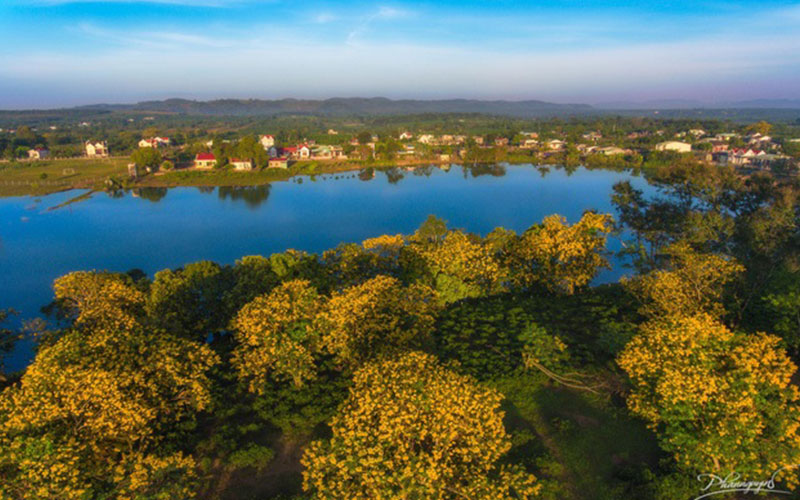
[(157, 228)]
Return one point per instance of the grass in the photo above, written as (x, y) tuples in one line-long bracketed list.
[(50, 176), (593, 448)]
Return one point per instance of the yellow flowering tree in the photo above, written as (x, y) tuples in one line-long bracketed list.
[(276, 336), (378, 315), (692, 282), (460, 266), (559, 256), (412, 428), (88, 417), (99, 299), (720, 401)]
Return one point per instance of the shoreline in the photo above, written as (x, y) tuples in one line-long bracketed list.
[(43, 178)]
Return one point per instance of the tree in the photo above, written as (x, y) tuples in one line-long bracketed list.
[(99, 300), (8, 339), (147, 157), (276, 336), (414, 429), (90, 416), (364, 137), (433, 230), (692, 283), (189, 302), (760, 127), (460, 266), (558, 256), (720, 401), (377, 316)]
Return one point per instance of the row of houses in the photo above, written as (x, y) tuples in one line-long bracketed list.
[(155, 142), (209, 160)]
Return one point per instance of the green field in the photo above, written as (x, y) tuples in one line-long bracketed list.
[(45, 177), (50, 176)]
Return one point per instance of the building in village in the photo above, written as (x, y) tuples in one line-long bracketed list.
[(96, 149), (205, 160)]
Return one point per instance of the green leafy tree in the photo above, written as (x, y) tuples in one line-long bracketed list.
[(147, 157)]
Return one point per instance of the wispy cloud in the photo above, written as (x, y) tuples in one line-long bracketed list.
[(383, 13), (162, 40)]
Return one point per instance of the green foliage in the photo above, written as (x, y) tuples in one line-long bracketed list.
[(254, 455), (189, 302), (8, 337), (147, 157), (541, 348)]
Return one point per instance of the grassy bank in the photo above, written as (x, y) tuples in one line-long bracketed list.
[(50, 176)]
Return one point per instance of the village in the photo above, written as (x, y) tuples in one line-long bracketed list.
[(745, 147), (755, 151)]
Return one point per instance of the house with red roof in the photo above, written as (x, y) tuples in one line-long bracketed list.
[(205, 160), (299, 152)]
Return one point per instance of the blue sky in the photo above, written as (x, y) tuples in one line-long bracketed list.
[(64, 52)]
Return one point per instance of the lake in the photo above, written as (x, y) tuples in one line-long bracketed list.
[(152, 229)]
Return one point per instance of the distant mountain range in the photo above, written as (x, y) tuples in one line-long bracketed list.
[(667, 104), (787, 110), (348, 106)]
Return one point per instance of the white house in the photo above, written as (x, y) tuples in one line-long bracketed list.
[(97, 149), (281, 162), (240, 164), (680, 147), (38, 154), (404, 136), (555, 144), (426, 139), (155, 142), (592, 136), (611, 151), (267, 141)]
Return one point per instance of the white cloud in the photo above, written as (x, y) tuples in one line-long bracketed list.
[(325, 17)]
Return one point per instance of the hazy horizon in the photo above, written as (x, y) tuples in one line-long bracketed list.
[(664, 104), (63, 53)]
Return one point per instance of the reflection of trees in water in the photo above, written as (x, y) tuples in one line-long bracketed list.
[(477, 170), (425, 170), (367, 174), (154, 194), (394, 175), (253, 196), (206, 189)]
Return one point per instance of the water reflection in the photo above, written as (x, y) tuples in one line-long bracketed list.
[(154, 194), (253, 196), (493, 169)]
